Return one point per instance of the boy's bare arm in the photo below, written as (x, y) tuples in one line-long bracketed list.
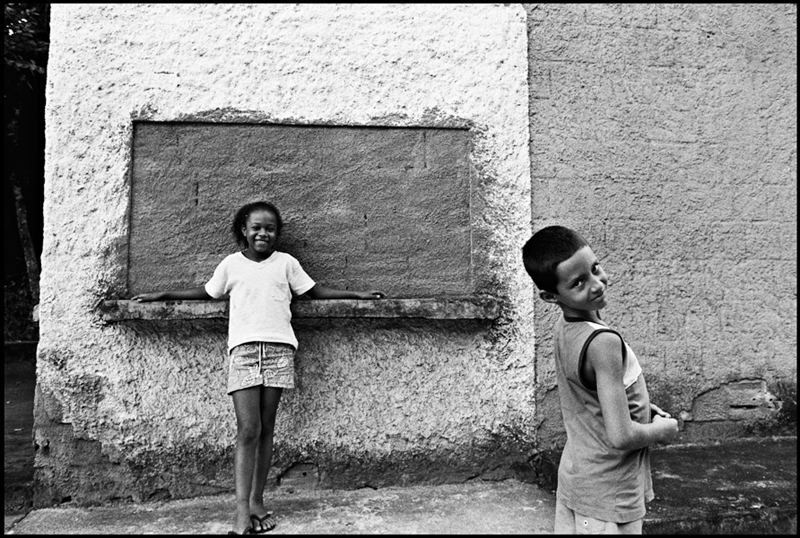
[(604, 356), (177, 295)]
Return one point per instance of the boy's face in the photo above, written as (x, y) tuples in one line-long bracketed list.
[(261, 232), (581, 284)]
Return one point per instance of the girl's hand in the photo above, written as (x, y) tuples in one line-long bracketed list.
[(657, 411), (145, 297), (371, 295), (322, 292)]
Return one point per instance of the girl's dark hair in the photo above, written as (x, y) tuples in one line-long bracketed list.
[(241, 219)]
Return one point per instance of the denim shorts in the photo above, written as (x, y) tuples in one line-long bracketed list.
[(256, 364)]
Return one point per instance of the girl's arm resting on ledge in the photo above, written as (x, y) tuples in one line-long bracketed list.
[(198, 294), (321, 292)]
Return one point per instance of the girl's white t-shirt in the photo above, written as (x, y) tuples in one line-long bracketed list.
[(260, 294)]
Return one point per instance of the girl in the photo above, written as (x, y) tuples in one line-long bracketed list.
[(261, 345)]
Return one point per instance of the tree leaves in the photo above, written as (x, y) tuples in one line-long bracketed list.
[(26, 37), (26, 43)]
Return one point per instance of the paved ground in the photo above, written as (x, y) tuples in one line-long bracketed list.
[(19, 383), (735, 487), (507, 507), (739, 486)]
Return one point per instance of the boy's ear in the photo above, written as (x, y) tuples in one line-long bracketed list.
[(548, 297)]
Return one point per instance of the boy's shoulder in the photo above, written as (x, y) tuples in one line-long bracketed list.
[(575, 333), (573, 327)]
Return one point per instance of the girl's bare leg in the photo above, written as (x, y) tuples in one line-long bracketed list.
[(247, 405), (270, 398)]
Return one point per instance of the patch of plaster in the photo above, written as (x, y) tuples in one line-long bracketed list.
[(300, 476), (736, 400), (228, 115)]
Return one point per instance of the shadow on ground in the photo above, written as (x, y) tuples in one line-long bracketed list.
[(18, 450)]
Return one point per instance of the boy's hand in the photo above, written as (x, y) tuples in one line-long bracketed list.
[(655, 410), (668, 428)]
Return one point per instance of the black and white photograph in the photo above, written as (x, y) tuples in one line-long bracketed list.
[(327, 268)]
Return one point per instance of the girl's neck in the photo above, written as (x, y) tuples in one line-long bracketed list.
[(256, 256)]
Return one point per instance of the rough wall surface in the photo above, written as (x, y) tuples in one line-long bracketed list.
[(363, 207), (667, 135), (138, 410)]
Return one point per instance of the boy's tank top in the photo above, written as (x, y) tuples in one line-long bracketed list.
[(594, 478)]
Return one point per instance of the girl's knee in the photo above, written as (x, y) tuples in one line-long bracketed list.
[(267, 433), (248, 432)]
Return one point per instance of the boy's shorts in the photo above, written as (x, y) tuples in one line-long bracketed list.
[(570, 522), (264, 364)]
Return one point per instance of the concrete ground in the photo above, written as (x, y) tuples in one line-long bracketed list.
[(731, 487), (508, 507), (735, 487)]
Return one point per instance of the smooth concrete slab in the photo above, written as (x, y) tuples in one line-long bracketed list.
[(476, 507)]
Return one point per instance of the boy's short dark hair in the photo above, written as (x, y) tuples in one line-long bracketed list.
[(545, 250)]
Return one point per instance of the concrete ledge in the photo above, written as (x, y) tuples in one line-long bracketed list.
[(442, 308)]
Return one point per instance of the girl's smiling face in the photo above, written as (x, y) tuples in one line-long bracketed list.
[(261, 232)]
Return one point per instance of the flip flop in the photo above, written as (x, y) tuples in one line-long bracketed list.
[(261, 520), (248, 530)]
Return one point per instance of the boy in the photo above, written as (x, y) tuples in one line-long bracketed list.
[(604, 474)]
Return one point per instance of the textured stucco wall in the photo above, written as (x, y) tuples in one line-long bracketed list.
[(137, 410), (667, 134)]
